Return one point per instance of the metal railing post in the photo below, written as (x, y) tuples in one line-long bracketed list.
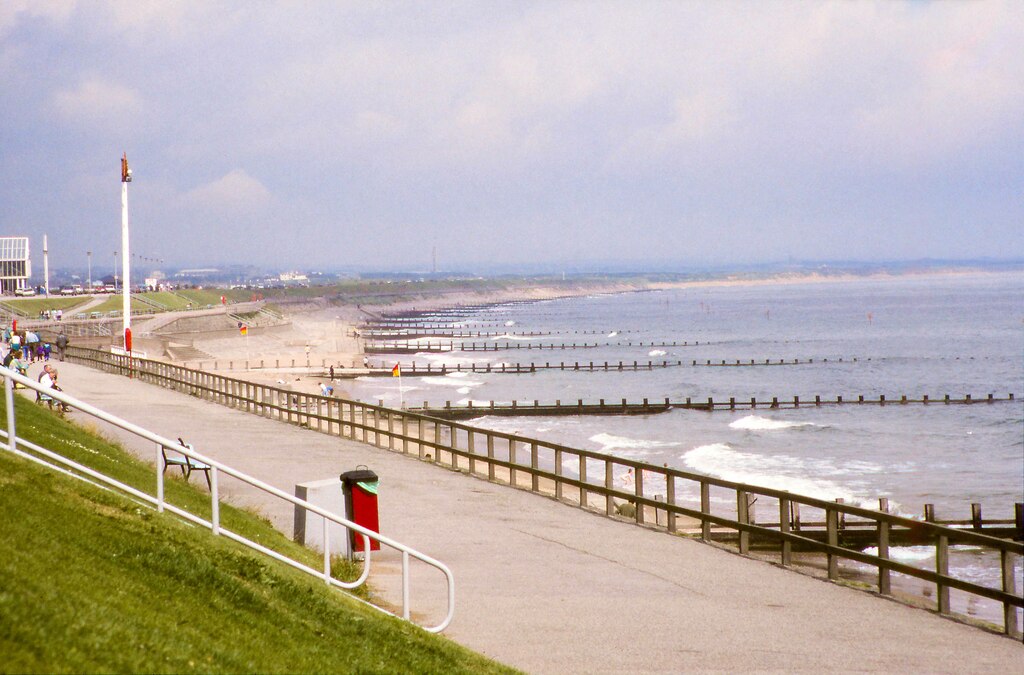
[(160, 467), (214, 501), (327, 550), (405, 585), (12, 438)]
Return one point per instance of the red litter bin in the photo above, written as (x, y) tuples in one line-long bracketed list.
[(360, 490)]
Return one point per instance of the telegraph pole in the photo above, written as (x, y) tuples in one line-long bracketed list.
[(126, 286)]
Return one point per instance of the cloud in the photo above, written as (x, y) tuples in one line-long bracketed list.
[(13, 11), (97, 101), (236, 193)]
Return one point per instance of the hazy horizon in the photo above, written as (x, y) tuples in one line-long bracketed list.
[(534, 135)]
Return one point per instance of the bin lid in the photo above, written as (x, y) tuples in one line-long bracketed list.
[(369, 487), (359, 476)]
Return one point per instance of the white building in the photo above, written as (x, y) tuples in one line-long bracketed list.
[(15, 265)]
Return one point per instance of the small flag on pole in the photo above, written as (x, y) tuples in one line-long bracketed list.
[(397, 370), (244, 330)]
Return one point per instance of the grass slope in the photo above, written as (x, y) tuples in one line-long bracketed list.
[(91, 581), (30, 307)]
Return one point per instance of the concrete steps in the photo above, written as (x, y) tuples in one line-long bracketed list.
[(186, 353)]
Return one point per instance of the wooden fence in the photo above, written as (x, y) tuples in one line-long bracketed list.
[(677, 501)]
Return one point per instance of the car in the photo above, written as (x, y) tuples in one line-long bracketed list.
[(67, 290), (25, 292)]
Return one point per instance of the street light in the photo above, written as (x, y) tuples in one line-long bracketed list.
[(88, 255), (115, 271)]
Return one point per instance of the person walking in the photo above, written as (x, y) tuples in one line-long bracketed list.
[(62, 344)]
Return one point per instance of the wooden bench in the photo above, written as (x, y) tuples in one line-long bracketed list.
[(186, 463)]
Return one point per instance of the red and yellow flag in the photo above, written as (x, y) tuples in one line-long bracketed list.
[(244, 330), (397, 370)]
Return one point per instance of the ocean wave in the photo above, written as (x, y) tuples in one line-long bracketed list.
[(476, 403), (449, 381), (907, 554), (758, 423), (613, 333), (720, 460), (632, 447), (506, 336), (656, 352), (510, 323)]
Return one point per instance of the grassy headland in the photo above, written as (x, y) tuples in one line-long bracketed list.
[(91, 581)]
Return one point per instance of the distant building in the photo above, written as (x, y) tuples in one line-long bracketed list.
[(15, 265), (293, 277)]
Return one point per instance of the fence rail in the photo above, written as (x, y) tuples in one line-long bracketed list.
[(659, 496), (45, 456)]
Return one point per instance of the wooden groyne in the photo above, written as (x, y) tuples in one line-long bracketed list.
[(390, 334), (414, 369), (406, 347), (860, 534), (470, 411), (647, 407)]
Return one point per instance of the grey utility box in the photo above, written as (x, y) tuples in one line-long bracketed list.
[(309, 527)]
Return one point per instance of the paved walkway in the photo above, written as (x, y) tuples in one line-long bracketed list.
[(549, 588)]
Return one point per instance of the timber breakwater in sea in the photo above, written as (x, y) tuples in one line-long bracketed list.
[(927, 372)]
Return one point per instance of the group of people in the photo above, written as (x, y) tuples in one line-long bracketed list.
[(25, 348), (31, 347), (48, 378), (51, 314)]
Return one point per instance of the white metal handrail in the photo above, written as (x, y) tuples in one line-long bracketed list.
[(10, 377)]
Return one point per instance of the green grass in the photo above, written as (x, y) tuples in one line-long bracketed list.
[(166, 299), (115, 303), (201, 297), (31, 307), (91, 581)]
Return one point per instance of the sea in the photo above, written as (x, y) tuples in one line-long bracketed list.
[(912, 335)]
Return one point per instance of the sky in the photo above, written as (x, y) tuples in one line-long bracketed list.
[(324, 135)]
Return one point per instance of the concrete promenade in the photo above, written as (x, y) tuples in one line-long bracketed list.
[(551, 589)]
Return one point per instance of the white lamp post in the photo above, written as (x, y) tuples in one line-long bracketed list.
[(126, 286)]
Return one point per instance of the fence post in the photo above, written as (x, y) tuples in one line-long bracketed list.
[(1010, 624), (832, 529), (558, 474), (942, 567), (437, 442), (512, 461), (470, 448), (583, 481), (638, 490), (609, 501), (884, 582), (670, 500), (743, 516), (787, 546), (490, 456), (535, 483), (705, 508)]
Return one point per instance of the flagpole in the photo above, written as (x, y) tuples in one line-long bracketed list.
[(401, 392)]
